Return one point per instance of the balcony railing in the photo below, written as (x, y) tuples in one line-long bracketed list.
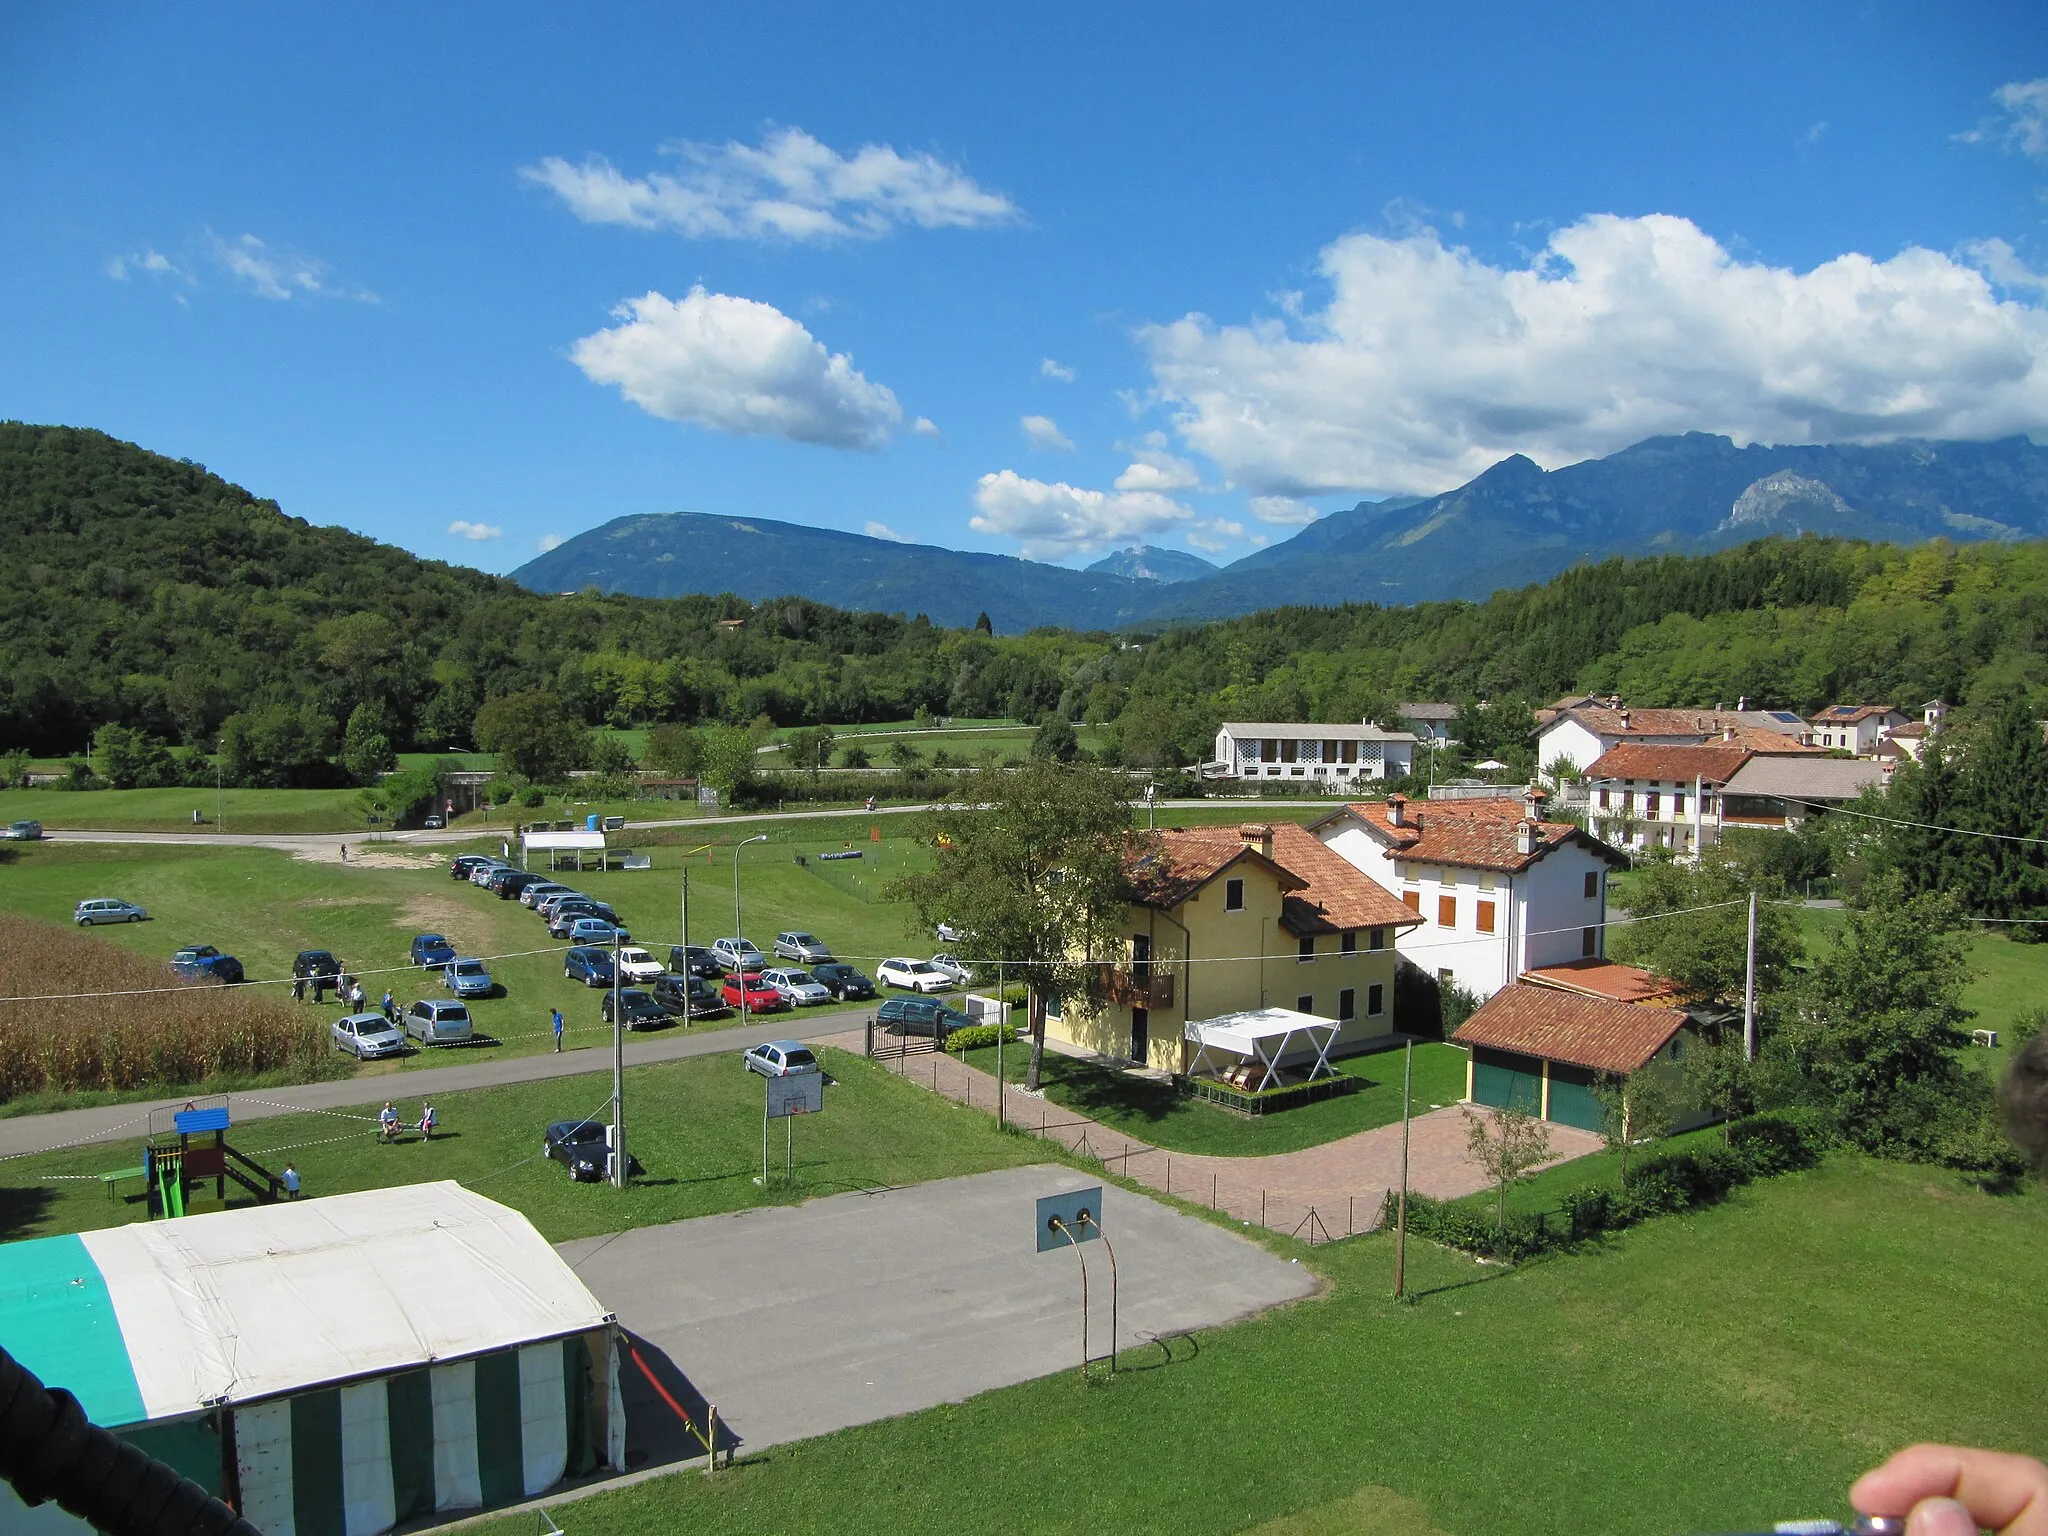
[(1151, 988)]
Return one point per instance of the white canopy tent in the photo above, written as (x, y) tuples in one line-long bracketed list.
[(555, 844), (1264, 1035)]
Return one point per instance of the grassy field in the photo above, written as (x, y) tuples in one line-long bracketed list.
[(170, 810), (1711, 1372), (1151, 1111), (695, 1126)]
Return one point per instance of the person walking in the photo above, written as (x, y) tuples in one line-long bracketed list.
[(427, 1120), (290, 1180), (344, 853), (298, 989), (390, 1008), (558, 1031)]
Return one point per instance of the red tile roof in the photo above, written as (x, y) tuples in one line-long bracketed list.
[(1325, 893), (1661, 722), (1606, 978), (1167, 867), (1641, 760), (1564, 1026), (1472, 834)]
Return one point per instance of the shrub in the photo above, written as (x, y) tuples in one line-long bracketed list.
[(975, 1036)]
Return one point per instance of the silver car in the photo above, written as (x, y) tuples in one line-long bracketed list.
[(366, 1036), (433, 1022), (737, 954), (796, 987), (804, 948), (104, 909), (781, 1058), (540, 891)]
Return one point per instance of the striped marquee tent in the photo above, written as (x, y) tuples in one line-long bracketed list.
[(330, 1367)]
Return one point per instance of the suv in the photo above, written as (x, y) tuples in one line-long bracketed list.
[(202, 962), (689, 997), (803, 948), (737, 955), (104, 909), (920, 1016), (438, 1023), (694, 960), (508, 883)]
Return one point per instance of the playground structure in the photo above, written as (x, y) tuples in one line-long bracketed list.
[(175, 1165)]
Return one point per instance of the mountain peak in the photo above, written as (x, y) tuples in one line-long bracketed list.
[(1146, 562)]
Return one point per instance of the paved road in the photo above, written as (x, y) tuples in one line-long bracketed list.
[(34, 1133), (797, 1321)]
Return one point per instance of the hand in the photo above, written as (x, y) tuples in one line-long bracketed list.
[(1947, 1490)]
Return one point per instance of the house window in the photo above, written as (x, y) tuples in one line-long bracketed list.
[(1650, 805), (1589, 942), (1447, 911), (1486, 882), (1412, 900), (1308, 947), (1379, 938), (1350, 944), (1289, 751), (1678, 803), (1375, 1000), (1483, 917), (1628, 802), (1052, 1007), (1592, 883), (1603, 800), (1347, 1004), (1233, 895), (1305, 1003)]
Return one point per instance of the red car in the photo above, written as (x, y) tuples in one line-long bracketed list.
[(760, 997)]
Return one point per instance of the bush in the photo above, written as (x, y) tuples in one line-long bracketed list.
[(977, 1036)]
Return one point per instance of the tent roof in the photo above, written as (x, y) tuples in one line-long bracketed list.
[(542, 841), (246, 1304), (1242, 1032)]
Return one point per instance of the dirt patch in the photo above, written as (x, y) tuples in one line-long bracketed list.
[(337, 901), (367, 858), (435, 914)]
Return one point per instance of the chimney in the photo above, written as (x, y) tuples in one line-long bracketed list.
[(1727, 733), (1257, 836), (1624, 720), (1525, 837), (1397, 810), (1532, 802)]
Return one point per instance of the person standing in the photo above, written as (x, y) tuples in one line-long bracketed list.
[(558, 1031), (344, 853), (290, 1180), (298, 989), (390, 1008)]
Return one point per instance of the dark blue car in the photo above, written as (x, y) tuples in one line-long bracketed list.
[(592, 967), (202, 962), (431, 950)]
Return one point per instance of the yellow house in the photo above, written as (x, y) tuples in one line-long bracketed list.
[(1226, 919)]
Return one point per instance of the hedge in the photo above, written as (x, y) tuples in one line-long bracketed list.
[(973, 1037), (1758, 1148)]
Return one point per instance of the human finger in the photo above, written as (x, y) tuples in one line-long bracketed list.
[(2005, 1493)]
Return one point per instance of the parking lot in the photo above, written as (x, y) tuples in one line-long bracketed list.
[(797, 1321)]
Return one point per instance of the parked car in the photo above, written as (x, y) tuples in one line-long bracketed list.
[(759, 996), (694, 960), (636, 965), (951, 965), (482, 873), (948, 934), (432, 1022), (804, 948), (738, 954), (431, 950), (566, 915), (202, 962), (24, 831), (842, 981), (553, 899), (912, 975), (581, 1146), (919, 1016), (468, 978), (104, 909), (596, 930), (638, 1008), (592, 967), (434, 823), (316, 965), (463, 865), (781, 1058), (508, 883), (795, 987), (540, 891), (689, 997), (366, 1036)]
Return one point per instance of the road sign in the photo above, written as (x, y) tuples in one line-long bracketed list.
[(800, 1094), (1078, 1211)]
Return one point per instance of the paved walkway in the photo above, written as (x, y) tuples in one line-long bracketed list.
[(1318, 1193)]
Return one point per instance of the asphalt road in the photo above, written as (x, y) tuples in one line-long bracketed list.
[(800, 1320)]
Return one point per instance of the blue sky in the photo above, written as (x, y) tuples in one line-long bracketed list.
[(1055, 282)]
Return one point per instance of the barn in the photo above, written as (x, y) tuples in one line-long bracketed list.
[(329, 1367)]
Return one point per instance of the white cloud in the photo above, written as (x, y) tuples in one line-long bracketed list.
[(1216, 534), (1044, 432), (924, 426), (1053, 519), (462, 528), (2002, 264), (274, 273), (739, 366), (150, 263), (875, 530), (550, 541), (1050, 369), (1154, 469), (1284, 510), (1428, 364), (2021, 121), (791, 187)]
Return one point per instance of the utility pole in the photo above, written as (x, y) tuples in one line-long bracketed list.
[(1749, 989), (1002, 1033), (1401, 1216), (618, 1073), (739, 931), (686, 933)]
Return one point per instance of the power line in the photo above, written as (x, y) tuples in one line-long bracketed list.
[(1922, 826)]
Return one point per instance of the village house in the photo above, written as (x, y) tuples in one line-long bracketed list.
[(1641, 796), (1498, 889), (1431, 720), (1321, 755), (1230, 920), (1856, 728), (1547, 1050), (1781, 794), (1579, 734)]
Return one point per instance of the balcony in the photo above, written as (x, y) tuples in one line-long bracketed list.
[(1150, 988)]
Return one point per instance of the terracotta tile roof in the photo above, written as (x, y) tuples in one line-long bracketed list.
[(1166, 868), (1326, 893), (1662, 722), (1565, 1026), (1849, 714), (1914, 729), (1610, 979), (1472, 834), (1641, 760)]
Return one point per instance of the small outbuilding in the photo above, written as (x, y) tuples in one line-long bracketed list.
[(329, 1367), (1544, 1049)]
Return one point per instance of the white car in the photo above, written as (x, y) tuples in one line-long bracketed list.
[(104, 909), (913, 975), (959, 974), (636, 965), (796, 986)]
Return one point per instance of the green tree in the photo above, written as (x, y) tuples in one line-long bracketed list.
[(1055, 741), (14, 768), (610, 756), (811, 748), (1690, 924), (366, 742), (730, 762), (1640, 1107), (855, 756), (1507, 1145), (449, 720), (2004, 793), (1037, 878), (675, 750), (904, 754), (1719, 1078), (533, 734)]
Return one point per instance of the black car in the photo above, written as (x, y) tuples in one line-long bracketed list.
[(464, 865), (920, 1016), (689, 997), (581, 1146), (694, 960), (508, 883), (842, 981), (637, 1008), (312, 964)]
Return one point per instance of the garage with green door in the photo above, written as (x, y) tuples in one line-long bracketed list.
[(1546, 1051), (1504, 1080)]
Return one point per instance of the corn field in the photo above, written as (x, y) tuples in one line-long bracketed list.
[(187, 1034)]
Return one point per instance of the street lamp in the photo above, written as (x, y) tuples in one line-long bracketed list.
[(739, 931)]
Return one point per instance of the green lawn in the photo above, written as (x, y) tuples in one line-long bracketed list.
[(170, 810), (1147, 1110), (695, 1125), (1710, 1372)]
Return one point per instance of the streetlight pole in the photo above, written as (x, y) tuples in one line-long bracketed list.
[(739, 931)]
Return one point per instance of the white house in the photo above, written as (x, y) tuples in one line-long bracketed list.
[(1783, 793), (1856, 728), (1640, 796), (1430, 719), (1499, 890), (1578, 734), (1320, 754)]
